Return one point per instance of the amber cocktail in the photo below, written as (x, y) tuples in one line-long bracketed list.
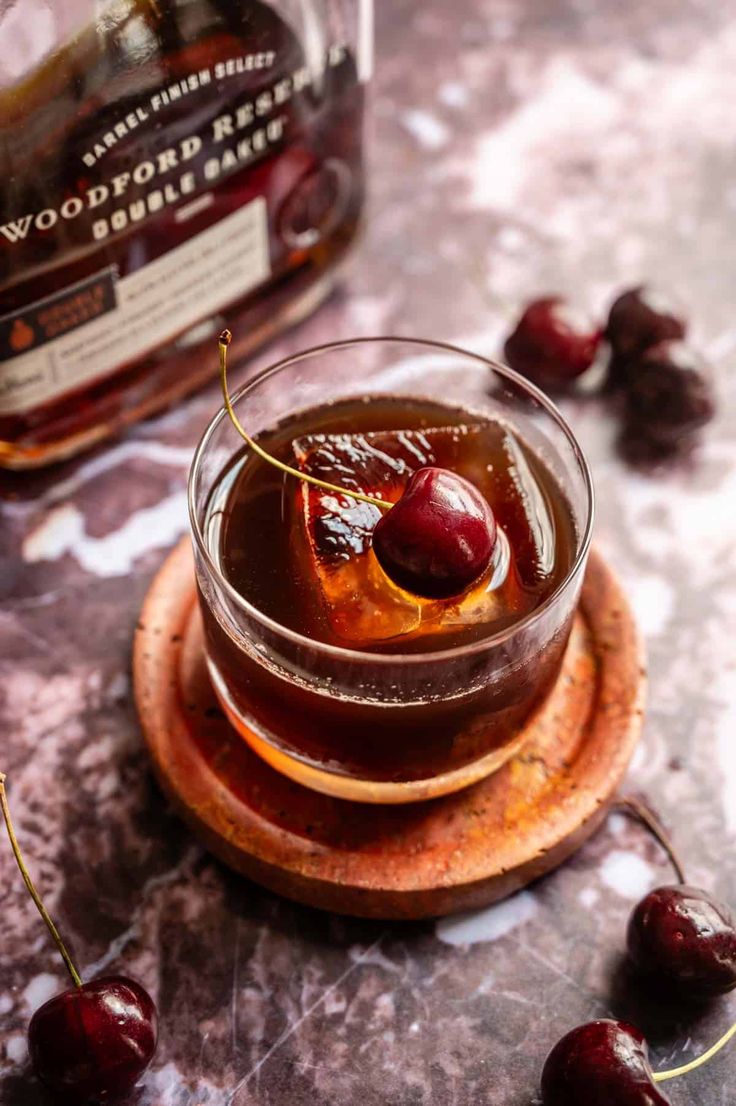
[(332, 672)]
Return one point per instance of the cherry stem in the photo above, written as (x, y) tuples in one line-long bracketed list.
[(223, 342), (646, 815), (663, 1076), (76, 978), (629, 805)]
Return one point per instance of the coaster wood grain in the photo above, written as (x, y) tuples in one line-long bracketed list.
[(454, 853)]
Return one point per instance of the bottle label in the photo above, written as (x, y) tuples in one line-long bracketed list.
[(98, 325), (140, 213)]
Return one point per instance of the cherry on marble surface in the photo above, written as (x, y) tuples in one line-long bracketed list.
[(685, 939), (642, 316), (603, 1063), (553, 343), (670, 390), (668, 399), (440, 536), (92, 1043), (639, 318), (643, 452)]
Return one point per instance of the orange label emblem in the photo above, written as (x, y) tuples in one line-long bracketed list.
[(21, 336)]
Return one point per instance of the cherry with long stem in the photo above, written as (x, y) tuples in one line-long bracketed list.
[(93, 1041), (680, 938), (633, 806), (608, 1061), (435, 542), (76, 978)]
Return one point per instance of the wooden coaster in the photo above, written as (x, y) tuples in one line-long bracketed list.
[(454, 853)]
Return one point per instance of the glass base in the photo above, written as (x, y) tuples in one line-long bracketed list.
[(356, 790)]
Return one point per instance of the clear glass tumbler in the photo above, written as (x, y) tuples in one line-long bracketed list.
[(369, 726)]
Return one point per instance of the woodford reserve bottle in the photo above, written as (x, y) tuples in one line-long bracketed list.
[(166, 167)]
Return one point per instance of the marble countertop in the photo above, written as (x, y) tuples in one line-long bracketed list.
[(519, 147)]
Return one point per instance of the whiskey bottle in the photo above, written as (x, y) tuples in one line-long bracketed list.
[(167, 167)]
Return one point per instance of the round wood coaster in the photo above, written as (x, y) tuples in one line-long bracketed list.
[(454, 853)]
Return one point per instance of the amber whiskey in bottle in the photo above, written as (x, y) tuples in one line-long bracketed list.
[(167, 167)]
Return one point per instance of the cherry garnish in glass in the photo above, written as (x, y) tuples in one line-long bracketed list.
[(685, 939), (553, 343), (435, 542), (93, 1041), (440, 536)]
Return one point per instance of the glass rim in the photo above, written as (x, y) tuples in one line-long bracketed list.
[(364, 656)]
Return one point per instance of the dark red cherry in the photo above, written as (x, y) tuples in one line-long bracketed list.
[(553, 343), (92, 1043), (670, 391), (668, 399), (686, 940), (640, 317), (439, 538), (603, 1063)]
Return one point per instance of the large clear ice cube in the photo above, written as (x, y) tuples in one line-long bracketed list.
[(363, 606)]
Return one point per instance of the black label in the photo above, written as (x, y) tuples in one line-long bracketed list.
[(58, 314)]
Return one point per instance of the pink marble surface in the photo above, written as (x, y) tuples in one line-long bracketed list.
[(519, 147)]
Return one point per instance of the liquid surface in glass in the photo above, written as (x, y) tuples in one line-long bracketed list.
[(303, 557)]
